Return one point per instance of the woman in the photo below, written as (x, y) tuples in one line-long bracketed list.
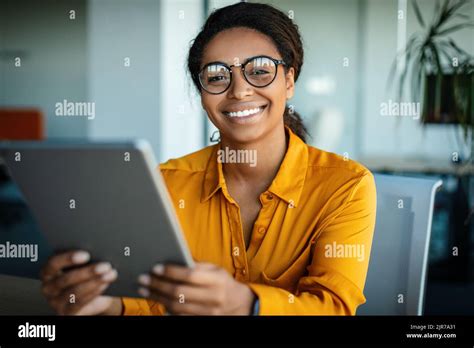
[(289, 233)]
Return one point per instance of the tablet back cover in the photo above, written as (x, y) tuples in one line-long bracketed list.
[(104, 198)]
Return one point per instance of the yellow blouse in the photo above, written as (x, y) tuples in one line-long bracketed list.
[(310, 245)]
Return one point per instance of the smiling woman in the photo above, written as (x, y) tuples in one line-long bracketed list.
[(259, 233), (251, 30), (262, 231)]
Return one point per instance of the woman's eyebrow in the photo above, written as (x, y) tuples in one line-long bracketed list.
[(245, 60), (215, 62)]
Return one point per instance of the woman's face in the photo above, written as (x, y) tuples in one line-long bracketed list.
[(235, 46)]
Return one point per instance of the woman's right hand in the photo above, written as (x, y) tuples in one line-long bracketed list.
[(78, 291)]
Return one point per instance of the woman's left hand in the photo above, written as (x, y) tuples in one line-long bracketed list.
[(205, 289)]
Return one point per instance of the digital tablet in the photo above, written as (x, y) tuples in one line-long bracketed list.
[(106, 198)]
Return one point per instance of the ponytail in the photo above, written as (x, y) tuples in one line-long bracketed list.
[(294, 121)]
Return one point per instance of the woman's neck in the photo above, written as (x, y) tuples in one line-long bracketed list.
[(268, 153)]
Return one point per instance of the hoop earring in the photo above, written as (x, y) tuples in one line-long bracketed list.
[(212, 139)]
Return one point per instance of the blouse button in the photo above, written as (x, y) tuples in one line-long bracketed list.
[(269, 196), (261, 229), (244, 272)]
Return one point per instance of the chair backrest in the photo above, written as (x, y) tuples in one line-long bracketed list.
[(398, 262)]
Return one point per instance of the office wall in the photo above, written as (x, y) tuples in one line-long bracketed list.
[(151, 98), (84, 60), (182, 118), (123, 54), (52, 51)]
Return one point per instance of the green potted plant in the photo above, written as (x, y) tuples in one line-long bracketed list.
[(440, 71)]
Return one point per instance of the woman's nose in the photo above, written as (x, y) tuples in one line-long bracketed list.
[(239, 87)]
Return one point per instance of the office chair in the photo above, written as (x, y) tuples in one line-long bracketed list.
[(396, 278)]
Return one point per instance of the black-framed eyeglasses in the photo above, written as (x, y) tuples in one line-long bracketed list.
[(259, 71)]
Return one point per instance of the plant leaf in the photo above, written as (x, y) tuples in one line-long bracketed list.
[(449, 10), (462, 15), (457, 48), (405, 71), (457, 5), (439, 78), (445, 53), (400, 54), (454, 28), (442, 14), (434, 51), (419, 17), (450, 52), (416, 73), (436, 11)]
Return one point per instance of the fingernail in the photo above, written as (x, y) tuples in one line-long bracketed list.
[(144, 292), (103, 287), (109, 276), (159, 269), (102, 267), (81, 257), (144, 279)]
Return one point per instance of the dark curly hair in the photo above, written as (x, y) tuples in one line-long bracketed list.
[(267, 20)]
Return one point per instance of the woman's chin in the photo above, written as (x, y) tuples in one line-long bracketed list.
[(245, 135)]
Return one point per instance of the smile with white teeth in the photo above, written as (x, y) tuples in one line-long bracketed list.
[(243, 113)]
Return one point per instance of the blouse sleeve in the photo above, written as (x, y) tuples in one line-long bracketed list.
[(336, 275)]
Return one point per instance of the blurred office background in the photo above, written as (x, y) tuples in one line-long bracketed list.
[(128, 57)]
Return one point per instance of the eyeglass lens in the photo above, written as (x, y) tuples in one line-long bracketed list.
[(259, 72)]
